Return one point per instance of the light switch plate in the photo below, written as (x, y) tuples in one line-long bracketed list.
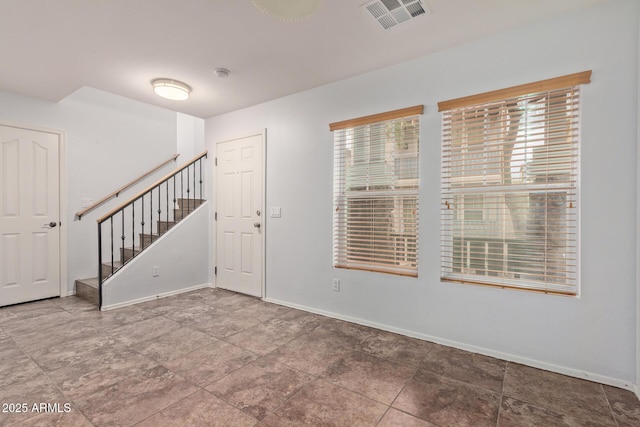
[(276, 212)]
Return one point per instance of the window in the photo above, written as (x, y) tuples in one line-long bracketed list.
[(376, 183), (510, 187)]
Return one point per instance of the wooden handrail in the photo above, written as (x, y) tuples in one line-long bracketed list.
[(124, 187), (152, 186)]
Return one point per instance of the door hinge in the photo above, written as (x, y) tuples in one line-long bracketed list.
[(216, 161), (215, 271), (215, 216)]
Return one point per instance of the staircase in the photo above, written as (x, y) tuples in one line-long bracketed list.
[(124, 232)]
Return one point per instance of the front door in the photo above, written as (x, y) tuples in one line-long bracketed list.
[(240, 223), (30, 215)]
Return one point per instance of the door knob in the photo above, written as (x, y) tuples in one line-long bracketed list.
[(52, 224), (256, 225)]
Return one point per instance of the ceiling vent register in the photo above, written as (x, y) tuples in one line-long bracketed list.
[(390, 13)]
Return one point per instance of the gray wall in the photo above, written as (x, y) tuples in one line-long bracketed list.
[(592, 336)]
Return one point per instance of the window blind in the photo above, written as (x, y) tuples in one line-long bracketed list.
[(510, 191), (376, 183)]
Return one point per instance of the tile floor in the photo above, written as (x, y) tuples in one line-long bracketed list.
[(215, 358)]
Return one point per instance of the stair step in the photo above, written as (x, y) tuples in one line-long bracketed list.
[(106, 268), (179, 214), (189, 203), (127, 253), (147, 239), (87, 289), (185, 207), (164, 226)]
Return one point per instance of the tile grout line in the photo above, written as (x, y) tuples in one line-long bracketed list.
[(504, 379), (310, 380), (45, 374), (171, 404), (613, 415), (415, 371), (55, 384)]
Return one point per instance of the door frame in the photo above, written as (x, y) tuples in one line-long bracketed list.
[(63, 193), (263, 265)]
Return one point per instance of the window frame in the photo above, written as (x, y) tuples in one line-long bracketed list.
[(448, 221), (396, 202)]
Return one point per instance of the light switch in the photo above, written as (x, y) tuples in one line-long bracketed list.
[(276, 212)]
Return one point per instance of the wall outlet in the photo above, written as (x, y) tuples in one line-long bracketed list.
[(155, 271), (336, 285)]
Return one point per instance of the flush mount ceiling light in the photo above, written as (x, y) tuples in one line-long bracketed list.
[(288, 10), (171, 89)]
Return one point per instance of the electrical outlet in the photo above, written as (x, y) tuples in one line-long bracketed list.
[(155, 271), (336, 285)]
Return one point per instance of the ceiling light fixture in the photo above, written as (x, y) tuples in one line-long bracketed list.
[(171, 89), (288, 10)]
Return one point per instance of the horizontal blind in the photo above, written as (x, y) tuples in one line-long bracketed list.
[(509, 188), (376, 182)]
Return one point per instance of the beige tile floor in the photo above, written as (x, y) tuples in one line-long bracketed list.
[(215, 358)]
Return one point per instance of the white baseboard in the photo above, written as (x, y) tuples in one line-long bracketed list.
[(615, 382), (155, 297)]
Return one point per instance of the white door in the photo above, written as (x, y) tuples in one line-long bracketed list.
[(239, 227), (30, 215)]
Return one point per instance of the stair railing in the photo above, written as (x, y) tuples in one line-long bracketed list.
[(131, 183), (171, 198)]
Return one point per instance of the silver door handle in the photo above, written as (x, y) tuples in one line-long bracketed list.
[(256, 225)]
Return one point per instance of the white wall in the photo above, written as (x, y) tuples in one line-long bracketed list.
[(190, 136), (110, 140), (593, 335)]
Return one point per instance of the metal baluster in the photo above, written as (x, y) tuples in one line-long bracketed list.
[(188, 191), (200, 160), (133, 227), (99, 265), (159, 210), (167, 205), (111, 221), (122, 251), (142, 223), (194, 186), (150, 215), (181, 193)]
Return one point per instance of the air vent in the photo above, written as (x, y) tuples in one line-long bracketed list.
[(390, 13)]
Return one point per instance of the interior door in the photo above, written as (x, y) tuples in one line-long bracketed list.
[(240, 220), (30, 215)]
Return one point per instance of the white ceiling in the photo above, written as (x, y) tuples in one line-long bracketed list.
[(50, 48)]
